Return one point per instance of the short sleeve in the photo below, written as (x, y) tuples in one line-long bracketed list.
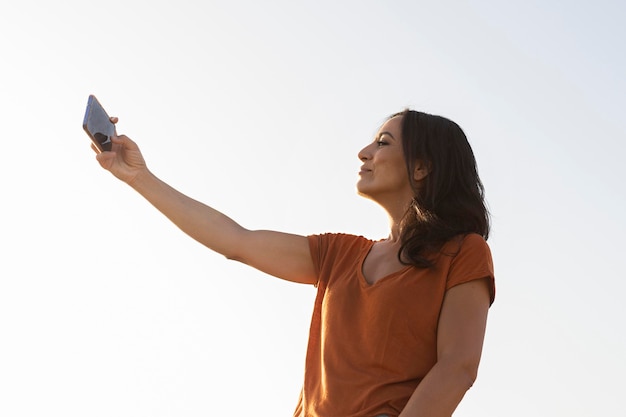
[(331, 249), (472, 261), (316, 249)]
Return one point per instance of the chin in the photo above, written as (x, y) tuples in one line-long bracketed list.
[(363, 192)]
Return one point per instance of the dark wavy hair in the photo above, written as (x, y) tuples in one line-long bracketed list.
[(450, 200)]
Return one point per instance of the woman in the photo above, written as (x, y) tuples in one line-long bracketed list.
[(398, 324)]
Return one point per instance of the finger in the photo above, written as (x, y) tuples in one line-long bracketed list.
[(114, 119), (96, 149), (125, 141), (102, 156), (106, 158)]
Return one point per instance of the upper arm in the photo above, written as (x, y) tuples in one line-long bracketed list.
[(282, 255), (462, 324)]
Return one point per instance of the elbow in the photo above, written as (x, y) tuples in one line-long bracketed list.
[(464, 373), (467, 374), (232, 252), (233, 257), (469, 378)]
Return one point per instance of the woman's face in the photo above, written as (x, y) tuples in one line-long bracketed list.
[(383, 176)]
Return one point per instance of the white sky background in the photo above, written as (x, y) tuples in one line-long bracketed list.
[(259, 109)]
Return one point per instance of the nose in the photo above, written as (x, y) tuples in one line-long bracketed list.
[(365, 153)]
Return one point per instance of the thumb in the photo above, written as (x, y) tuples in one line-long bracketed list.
[(125, 141)]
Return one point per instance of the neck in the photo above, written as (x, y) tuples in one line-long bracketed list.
[(396, 206), (395, 214)]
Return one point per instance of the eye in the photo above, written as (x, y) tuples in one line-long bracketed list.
[(381, 139)]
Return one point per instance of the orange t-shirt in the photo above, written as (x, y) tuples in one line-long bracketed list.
[(371, 345)]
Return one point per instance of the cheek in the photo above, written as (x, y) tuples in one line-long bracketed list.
[(398, 166)]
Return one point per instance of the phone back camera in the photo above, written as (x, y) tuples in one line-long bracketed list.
[(103, 140)]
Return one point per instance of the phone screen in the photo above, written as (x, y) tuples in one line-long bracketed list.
[(98, 125)]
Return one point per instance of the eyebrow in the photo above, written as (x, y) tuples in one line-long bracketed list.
[(380, 135)]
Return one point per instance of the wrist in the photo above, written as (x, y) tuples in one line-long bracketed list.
[(142, 180)]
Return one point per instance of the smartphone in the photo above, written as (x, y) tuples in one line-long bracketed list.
[(98, 125)]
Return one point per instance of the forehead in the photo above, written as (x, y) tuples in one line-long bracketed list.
[(392, 126)]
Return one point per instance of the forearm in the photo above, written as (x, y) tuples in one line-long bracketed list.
[(201, 222), (440, 392), (282, 255)]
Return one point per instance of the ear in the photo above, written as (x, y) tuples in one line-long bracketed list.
[(422, 169)]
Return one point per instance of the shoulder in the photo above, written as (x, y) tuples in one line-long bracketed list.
[(474, 239), (330, 249), (469, 259), (466, 245), (476, 246), (327, 241), (337, 239)]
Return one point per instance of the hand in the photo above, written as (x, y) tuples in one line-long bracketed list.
[(124, 160)]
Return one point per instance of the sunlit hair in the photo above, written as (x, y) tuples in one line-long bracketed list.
[(450, 200)]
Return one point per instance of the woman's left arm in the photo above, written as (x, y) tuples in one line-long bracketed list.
[(459, 345)]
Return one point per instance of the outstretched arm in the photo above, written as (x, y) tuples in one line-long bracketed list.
[(283, 255)]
